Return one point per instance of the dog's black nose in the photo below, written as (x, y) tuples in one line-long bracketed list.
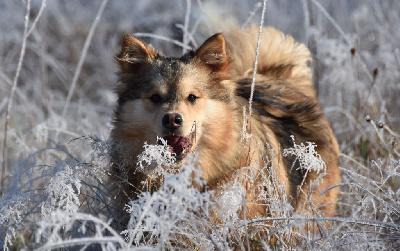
[(172, 120), (178, 119)]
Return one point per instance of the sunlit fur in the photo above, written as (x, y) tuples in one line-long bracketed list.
[(219, 73)]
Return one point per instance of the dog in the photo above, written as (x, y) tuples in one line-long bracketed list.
[(200, 103)]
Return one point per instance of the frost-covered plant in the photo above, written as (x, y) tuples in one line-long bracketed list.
[(177, 213), (356, 69), (10, 219), (90, 232), (49, 180), (156, 158), (63, 190), (308, 158), (370, 203)]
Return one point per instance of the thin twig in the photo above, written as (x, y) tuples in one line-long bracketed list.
[(383, 143), (333, 219), (143, 34), (347, 114), (346, 38), (189, 35), (83, 56), (3, 104), (333, 22), (253, 83), (186, 25), (10, 97), (257, 6), (245, 220), (397, 56), (42, 6), (359, 185)]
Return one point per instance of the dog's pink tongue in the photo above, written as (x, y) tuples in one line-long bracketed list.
[(172, 140), (177, 144)]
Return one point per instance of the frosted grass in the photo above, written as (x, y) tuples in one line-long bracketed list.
[(55, 185)]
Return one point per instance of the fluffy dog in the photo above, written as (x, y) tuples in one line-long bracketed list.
[(199, 103)]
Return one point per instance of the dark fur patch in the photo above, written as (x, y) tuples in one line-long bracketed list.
[(281, 71), (160, 71), (286, 109)]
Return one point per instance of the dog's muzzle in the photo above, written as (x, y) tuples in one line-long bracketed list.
[(179, 145)]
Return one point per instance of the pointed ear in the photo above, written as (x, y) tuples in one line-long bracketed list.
[(212, 53), (134, 54)]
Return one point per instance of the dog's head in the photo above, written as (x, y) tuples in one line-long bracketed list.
[(172, 98)]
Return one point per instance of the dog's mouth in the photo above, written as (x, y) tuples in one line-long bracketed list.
[(180, 145)]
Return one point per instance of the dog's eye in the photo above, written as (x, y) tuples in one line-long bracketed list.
[(155, 98), (192, 98)]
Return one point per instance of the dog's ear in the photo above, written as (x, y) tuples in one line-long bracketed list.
[(134, 54), (212, 53)]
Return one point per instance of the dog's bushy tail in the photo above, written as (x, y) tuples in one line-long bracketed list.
[(280, 57)]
